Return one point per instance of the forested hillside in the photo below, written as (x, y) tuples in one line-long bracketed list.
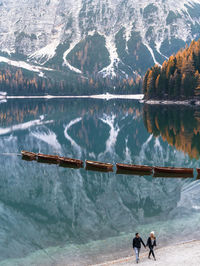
[(17, 81), (177, 78)]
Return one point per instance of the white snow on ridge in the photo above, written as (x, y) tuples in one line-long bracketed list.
[(113, 55), (48, 25), (128, 34), (9, 52), (22, 64), (46, 52), (75, 11), (152, 53), (66, 63), (180, 6)]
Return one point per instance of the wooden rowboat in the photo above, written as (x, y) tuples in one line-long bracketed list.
[(134, 168), (70, 163), (174, 170), (28, 156), (198, 171), (98, 166), (45, 158)]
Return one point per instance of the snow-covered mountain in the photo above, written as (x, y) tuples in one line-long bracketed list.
[(108, 37)]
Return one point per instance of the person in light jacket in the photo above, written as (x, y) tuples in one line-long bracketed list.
[(151, 243), (137, 240)]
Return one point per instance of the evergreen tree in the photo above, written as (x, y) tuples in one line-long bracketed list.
[(178, 77), (150, 84)]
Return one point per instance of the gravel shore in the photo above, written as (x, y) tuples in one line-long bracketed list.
[(178, 255)]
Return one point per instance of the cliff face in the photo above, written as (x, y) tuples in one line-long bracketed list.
[(107, 37)]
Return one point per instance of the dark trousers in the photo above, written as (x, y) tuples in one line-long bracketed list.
[(151, 252)]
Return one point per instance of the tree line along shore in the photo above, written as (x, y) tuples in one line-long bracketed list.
[(177, 78)]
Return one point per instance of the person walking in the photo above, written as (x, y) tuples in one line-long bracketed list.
[(137, 240), (151, 243)]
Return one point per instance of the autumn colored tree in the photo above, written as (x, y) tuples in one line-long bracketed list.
[(178, 78)]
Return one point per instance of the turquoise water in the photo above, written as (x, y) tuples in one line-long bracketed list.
[(57, 216)]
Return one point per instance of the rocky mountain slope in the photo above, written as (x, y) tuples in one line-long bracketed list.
[(107, 37)]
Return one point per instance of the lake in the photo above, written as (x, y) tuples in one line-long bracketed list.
[(51, 215)]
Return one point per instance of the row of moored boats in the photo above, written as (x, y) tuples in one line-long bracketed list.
[(108, 167)]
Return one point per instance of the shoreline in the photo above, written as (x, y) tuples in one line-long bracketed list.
[(176, 255), (106, 96), (171, 102)]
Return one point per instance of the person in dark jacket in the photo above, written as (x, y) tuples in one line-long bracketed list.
[(137, 240), (151, 243)]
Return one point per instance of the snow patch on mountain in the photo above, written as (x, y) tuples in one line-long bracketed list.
[(46, 53), (75, 11), (152, 53), (37, 28), (5, 50), (24, 65), (66, 63), (114, 59)]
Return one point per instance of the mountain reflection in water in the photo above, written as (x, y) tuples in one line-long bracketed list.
[(52, 215)]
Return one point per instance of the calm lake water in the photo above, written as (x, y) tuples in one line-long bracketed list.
[(58, 216)]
